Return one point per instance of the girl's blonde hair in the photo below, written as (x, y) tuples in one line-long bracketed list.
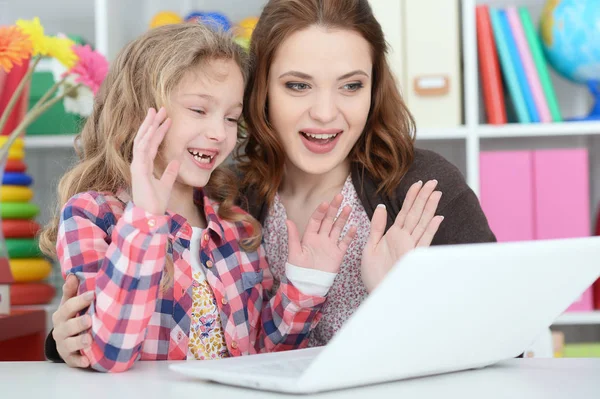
[(144, 75)]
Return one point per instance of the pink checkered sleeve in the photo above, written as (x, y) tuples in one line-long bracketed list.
[(123, 268), (288, 316)]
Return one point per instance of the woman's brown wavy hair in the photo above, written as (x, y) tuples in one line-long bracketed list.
[(144, 75), (386, 147)]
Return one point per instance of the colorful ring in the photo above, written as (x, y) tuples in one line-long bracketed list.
[(16, 179), (19, 248), (15, 194), (18, 210), (19, 143), (16, 154), (13, 165), (23, 294), (29, 269), (17, 228)]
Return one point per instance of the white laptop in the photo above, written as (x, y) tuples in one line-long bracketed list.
[(439, 310)]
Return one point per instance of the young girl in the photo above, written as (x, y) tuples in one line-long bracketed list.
[(176, 270)]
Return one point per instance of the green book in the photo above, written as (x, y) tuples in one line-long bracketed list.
[(582, 350), (540, 63)]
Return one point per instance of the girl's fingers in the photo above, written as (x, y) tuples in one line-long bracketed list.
[(144, 126), (170, 175), (158, 138)]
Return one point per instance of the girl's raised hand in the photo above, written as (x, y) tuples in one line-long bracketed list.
[(148, 192)]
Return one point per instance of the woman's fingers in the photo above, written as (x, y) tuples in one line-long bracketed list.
[(414, 214), (428, 214)]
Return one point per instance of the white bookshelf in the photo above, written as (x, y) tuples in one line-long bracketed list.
[(578, 319), (49, 141)]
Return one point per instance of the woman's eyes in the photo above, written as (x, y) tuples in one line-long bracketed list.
[(353, 86), (297, 86)]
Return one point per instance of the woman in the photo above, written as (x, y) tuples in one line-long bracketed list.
[(324, 115)]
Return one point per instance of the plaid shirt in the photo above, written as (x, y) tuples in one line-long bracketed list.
[(118, 251)]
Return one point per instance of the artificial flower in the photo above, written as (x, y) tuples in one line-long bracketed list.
[(34, 29), (15, 47), (61, 48), (81, 101), (91, 67)]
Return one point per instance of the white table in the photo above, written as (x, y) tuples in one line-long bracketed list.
[(514, 379)]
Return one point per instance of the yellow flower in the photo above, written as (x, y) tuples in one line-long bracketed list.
[(61, 48), (34, 29)]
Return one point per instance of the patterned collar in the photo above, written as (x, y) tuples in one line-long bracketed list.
[(178, 225)]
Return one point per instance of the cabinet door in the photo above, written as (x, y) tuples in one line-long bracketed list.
[(507, 194), (562, 193), (562, 201), (432, 61), (390, 15)]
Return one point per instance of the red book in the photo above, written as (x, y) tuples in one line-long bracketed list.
[(11, 82), (489, 67)]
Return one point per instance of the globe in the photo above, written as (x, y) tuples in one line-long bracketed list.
[(570, 36)]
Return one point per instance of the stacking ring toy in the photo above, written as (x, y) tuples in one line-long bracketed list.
[(15, 166), (29, 269), (19, 143), (16, 154), (24, 294), (15, 194), (18, 210), (16, 179), (19, 248), (15, 228)]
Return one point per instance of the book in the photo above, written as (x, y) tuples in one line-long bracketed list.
[(528, 65), (518, 66), (540, 63), (508, 69), (489, 68)]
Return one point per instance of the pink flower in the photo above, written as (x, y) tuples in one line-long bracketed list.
[(91, 68)]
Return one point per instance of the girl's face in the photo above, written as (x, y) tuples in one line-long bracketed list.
[(319, 96), (205, 109)]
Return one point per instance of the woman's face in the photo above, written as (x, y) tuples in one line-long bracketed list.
[(319, 96)]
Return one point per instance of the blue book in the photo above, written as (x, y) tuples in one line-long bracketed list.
[(519, 68), (508, 69)]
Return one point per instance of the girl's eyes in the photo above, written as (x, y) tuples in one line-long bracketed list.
[(202, 112)]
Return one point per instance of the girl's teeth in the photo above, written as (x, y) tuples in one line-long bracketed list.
[(202, 158)]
